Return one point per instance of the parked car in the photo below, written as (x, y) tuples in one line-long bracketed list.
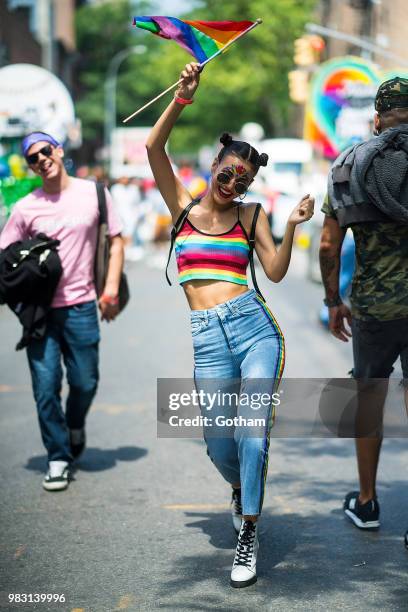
[(288, 160)]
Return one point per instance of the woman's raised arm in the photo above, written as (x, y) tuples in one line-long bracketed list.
[(173, 191)]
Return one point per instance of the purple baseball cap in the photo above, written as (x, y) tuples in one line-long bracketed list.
[(34, 137)]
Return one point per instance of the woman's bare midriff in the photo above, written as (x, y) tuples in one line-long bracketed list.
[(205, 294)]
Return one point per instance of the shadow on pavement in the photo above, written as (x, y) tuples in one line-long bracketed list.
[(333, 447), (93, 459), (315, 447), (216, 526), (301, 558), (393, 496)]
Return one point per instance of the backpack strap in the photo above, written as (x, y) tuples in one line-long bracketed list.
[(175, 230), (251, 249), (103, 213)]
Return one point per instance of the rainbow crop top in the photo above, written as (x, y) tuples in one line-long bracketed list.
[(212, 256)]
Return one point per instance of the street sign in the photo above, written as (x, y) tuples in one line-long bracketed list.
[(340, 109), (128, 153)]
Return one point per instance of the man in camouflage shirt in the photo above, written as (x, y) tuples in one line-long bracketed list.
[(380, 281), (379, 311)]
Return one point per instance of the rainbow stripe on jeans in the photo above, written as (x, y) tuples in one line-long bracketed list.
[(278, 375)]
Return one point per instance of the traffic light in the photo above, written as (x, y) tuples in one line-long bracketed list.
[(308, 49), (318, 44), (298, 86)]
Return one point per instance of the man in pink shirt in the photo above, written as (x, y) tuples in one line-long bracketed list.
[(66, 209)]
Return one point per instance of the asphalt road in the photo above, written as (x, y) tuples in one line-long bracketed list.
[(145, 524)]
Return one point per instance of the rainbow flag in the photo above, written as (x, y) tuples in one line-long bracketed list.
[(200, 38)]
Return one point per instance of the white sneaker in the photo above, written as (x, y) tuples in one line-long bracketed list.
[(244, 567), (236, 509), (57, 478)]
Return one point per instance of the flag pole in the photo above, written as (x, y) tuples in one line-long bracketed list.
[(174, 85)]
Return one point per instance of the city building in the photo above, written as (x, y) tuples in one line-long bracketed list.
[(382, 23), (39, 32)]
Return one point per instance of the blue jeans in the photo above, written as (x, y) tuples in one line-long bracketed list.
[(73, 334), (239, 340), (347, 264)]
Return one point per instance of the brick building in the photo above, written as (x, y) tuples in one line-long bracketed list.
[(39, 32), (381, 22)]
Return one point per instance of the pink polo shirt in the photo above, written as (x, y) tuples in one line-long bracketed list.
[(70, 216)]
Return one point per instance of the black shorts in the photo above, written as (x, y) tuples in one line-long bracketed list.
[(377, 346)]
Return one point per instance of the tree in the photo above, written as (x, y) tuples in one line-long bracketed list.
[(248, 83), (103, 30)]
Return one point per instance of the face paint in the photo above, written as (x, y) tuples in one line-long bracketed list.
[(242, 179), (237, 170)]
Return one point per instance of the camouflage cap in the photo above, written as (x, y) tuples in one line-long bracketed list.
[(392, 94)]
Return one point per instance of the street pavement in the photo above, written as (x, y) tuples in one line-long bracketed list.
[(145, 524)]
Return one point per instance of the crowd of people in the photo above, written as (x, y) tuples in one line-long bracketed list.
[(145, 218), (235, 334)]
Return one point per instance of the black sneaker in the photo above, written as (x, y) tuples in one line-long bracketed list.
[(364, 516), (57, 477), (236, 509), (77, 439)]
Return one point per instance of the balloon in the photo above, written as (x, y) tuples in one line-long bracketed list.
[(4, 169), (16, 166)]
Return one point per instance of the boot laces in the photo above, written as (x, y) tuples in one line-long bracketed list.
[(245, 546)]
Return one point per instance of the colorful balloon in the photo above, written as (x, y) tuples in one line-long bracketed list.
[(4, 168), (16, 163)]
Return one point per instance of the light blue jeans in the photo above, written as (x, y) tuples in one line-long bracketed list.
[(238, 340)]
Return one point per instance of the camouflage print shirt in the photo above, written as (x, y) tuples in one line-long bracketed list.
[(380, 281)]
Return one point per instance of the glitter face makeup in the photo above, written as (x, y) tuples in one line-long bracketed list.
[(237, 172)]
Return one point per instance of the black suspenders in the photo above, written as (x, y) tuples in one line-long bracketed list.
[(179, 223)]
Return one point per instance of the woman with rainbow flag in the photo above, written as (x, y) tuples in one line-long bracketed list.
[(235, 335)]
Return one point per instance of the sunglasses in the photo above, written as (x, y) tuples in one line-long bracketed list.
[(33, 158), (240, 185)]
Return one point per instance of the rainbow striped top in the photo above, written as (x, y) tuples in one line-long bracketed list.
[(212, 256)]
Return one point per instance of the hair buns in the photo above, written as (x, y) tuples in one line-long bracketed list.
[(263, 159), (242, 150), (226, 139)]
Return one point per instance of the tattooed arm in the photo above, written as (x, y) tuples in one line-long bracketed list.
[(330, 248)]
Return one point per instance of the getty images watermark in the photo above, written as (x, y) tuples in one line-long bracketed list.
[(339, 407), (222, 404)]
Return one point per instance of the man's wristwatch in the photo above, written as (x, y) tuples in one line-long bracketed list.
[(337, 301)]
